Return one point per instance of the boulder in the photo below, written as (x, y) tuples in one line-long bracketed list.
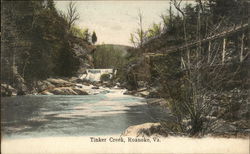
[(64, 91), (129, 92), (145, 130), (20, 85), (95, 87), (7, 90), (141, 84), (46, 93), (144, 93), (157, 102), (80, 91), (44, 85), (153, 93), (75, 79), (60, 82)]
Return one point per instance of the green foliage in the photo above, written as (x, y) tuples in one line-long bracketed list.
[(221, 9), (154, 30), (138, 37), (113, 56), (108, 56), (105, 77), (188, 85), (78, 32), (42, 37)]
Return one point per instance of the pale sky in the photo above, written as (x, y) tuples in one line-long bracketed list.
[(113, 21)]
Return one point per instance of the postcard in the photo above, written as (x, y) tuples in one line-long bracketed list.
[(132, 76)]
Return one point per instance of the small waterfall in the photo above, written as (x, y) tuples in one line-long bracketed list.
[(95, 74)]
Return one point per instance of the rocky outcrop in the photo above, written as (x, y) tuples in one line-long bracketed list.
[(65, 91), (79, 91), (60, 82), (44, 85), (82, 52), (145, 130), (16, 87), (60, 87)]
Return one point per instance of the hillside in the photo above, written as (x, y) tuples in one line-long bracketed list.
[(122, 48)]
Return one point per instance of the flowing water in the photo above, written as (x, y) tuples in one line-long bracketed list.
[(63, 124), (106, 113)]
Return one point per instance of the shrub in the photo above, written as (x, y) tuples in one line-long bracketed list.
[(105, 77)]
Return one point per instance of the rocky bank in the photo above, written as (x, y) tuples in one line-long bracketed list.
[(228, 117)]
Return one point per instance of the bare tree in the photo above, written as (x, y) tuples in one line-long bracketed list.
[(139, 36), (200, 5), (72, 14), (177, 5)]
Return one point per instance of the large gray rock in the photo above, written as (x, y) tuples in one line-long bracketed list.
[(60, 82), (7, 90), (65, 91), (146, 129), (44, 85), (157, 102), (46, 93), (153, 93), (80, 91)]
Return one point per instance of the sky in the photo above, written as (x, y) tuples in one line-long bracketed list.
[(113, 21)]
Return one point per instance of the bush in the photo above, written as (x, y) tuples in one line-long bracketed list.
[(105, 77)]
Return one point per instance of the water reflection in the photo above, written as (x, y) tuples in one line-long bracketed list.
[(31, 116)]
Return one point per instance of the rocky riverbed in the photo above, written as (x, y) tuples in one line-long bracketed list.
[(222, 120), (58, 86)]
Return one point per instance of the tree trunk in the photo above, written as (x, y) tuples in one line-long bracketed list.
[(242, 47), (209, 52), (224, 51)]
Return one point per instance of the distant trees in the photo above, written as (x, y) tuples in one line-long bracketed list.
[(109, 56), (83, 34)]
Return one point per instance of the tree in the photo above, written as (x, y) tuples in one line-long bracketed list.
[(72, 14), (37, 37), (94, 37), (140, 35), (154, 30)]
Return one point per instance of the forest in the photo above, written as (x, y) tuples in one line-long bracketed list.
[(197, 60), (39, 41)]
